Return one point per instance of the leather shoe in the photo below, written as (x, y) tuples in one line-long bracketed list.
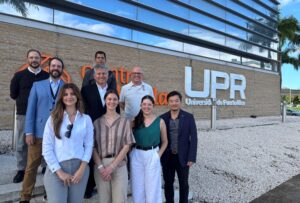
[(88, 194), (24, 201), (19, 177), (43, 170)]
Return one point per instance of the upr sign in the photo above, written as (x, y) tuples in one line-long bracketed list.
[(232, 82)]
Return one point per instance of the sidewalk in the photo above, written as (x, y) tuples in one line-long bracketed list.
[(288, 191)]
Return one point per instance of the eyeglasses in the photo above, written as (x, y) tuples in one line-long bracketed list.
[(68, 133), (137, 74)]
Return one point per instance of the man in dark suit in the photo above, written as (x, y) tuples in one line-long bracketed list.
[(93, 97), (100, 59), (182, 148)]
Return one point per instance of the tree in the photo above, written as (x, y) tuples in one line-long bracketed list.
[(289, 43), (296, 100), (19, 5)]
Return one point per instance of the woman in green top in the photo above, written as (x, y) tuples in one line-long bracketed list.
[(151, 141)]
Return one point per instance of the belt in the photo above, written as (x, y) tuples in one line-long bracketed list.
[(145, 148), (110, 156)]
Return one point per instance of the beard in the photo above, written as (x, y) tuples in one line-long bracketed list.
[(55, 74), (34, 64)]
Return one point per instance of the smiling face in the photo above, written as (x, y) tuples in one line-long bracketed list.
[(100, 59), (136, 75), (69, 98), (147, 106), (111, 101), (34, 59), (101, 76), (55, 69), (174, 103)]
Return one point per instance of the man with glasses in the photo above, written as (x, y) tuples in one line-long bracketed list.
[(181, 152), (132, 93), (93, 98), (41, 101), (20, 87)]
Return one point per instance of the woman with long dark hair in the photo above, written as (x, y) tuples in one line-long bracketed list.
[(151, 141), (67, 148), (113, 137)]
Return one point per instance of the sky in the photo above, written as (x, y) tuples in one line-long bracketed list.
[(290, 77)]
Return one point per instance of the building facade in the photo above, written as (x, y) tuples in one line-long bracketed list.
[(221, 51)]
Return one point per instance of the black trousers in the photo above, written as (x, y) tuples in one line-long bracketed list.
[(91, 181), (172, 165)]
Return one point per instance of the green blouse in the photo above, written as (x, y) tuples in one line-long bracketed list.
[(148, 136)]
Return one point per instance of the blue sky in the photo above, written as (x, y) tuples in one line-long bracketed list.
[(290, 77)]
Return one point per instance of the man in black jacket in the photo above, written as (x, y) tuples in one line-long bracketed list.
[(93, 97), (181, 152), (20, 87)]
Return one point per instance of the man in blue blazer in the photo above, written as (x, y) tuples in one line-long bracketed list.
[(182, 148), (41, 101)]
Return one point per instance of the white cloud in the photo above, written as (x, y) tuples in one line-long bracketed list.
[(286, 2)]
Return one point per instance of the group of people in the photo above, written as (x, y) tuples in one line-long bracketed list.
[(85, 141)]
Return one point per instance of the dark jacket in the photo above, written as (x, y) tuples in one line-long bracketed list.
[(20, 87), (92, 102), (187, 138), (89, 79)]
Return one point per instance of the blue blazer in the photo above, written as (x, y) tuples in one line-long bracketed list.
[(40, 105), (187, 138)]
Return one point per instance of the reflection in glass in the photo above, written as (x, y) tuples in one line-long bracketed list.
[(116, 7), (162, 21), (236, 32), (230, 58), (34, 12), (236, 44), (207, 35), (168, 6), (267, 66), (157, 41), (90, 25), (207, 21), (207, 7), (201, 51), (251, 62)]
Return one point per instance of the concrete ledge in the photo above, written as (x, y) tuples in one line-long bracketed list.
[(11, 192)]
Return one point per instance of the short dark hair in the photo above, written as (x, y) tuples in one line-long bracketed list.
[(33, 50), (59, 59), (174, 93), (100, 52)]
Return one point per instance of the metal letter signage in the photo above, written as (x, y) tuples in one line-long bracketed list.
[(212, 82)]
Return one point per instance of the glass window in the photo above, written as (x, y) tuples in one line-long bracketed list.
[(34, 12), (201, 51), (116, 7), (90, 25), (274, 55), (236, 44), (236, 7), (207, 35), (168, 7), (162, 21), (267, 66), (236, 32), (207, 21), (259, 40), (251, 62), (270, 4), (230, 58), (207, 7), (157, 41)]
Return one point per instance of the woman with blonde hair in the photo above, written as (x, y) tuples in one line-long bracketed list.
[(67, 148)]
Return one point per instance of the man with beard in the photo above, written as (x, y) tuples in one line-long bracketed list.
[(182, 148), (41, 101), (20, 86)]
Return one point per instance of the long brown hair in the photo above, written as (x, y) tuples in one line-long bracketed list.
[(139, 119), (57, 114)]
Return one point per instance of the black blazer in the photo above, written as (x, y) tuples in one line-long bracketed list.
[(92, 102), (187, 138)]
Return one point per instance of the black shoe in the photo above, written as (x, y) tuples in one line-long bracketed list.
[(45, 197), (88, 194), (24, 201), (43, 170), (19, 177)]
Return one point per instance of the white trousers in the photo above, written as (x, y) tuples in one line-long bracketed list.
[(146, 176)]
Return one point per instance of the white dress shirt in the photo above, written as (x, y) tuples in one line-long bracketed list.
[(78, 146), (34, 71), (54, 85), (102, 92)]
